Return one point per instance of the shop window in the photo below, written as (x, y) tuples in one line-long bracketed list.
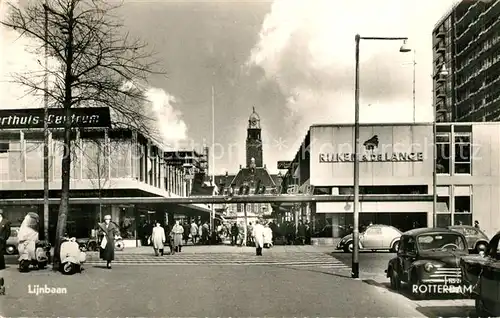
[(443, 220), (121, 159), (463, 153), (94, 162), (10, 161), (34, 160), (443, 147), (462, 203), (239, 207)]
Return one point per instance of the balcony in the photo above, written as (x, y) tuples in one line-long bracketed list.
[(441, 49), (441, 34), (440, 94), (478, 39), (441, 79), (441, 108)]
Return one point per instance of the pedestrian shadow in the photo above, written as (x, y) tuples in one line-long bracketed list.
[(311, 270), (406, 292), (448, 311)]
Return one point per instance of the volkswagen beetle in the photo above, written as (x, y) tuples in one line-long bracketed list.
[(428, 256), (375, 237)]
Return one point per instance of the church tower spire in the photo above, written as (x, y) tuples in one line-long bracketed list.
[(254, 141)]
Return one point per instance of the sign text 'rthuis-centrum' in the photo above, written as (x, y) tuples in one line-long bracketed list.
[(381, 157)]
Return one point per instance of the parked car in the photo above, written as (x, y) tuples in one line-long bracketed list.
[(428, 256), (12, 241), (481, 272), (375, 237), (476, 239)]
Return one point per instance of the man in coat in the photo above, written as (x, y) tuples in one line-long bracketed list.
[(108, 232), (158, 238), (4, 235), (258, 236), (235, 231), (177, 231)]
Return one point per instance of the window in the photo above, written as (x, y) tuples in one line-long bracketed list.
[(121, 159), (34, 160), (94, 162), (462, 153), (443, 153), (410, 245), (374, 231), (443, 217), (10, 160), (462, 205)]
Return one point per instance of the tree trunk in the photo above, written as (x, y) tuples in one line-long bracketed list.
[(65, 180)]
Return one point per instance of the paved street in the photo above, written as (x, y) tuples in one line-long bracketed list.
[(199, 291)]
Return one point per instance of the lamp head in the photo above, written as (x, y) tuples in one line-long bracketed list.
[(444, 71), (404, 48)]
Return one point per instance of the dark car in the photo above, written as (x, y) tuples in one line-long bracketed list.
[(428, 256), (476, 239), (12, 241)]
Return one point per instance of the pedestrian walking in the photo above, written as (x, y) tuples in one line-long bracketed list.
[(108, 232), (187, 231), (205, 236), (258, 235), (268, 236), (235, 231), (250, 237), (177, 231), (301, 233), (4, 236), (200, 233), (194, 232), (476, 224), (158, 239)]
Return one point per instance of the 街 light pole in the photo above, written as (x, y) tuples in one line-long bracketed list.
[(355, 252)]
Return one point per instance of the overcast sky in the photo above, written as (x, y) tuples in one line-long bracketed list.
[(293, 60)]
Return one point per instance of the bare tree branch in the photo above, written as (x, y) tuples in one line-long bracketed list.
[(96, 58)]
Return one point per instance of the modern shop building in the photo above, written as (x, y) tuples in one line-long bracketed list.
[(399, 159), (105, 163)]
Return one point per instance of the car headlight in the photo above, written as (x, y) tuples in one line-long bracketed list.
[(429, 267)]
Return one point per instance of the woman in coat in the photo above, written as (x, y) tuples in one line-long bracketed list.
[(258, 235), (158, 238), (177, 231), (268, 236), (108, 232)]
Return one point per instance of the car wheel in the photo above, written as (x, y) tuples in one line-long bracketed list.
[(68, 268), (414, 281), (42, 265), (395, 281), (349, 247), (395, 247), (10, 250), (480, 247), (479, 306)]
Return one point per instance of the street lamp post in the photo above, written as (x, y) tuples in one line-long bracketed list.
[(404, 49), (442, 72)]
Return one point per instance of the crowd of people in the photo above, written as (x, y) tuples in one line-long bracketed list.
[(200, 233)]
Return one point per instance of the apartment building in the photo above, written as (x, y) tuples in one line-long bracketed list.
[(467, 41)]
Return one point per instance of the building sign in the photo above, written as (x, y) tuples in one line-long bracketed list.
[(372, 157), (90, 117), (285, 165)]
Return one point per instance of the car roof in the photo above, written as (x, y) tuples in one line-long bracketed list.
[(426, 230)]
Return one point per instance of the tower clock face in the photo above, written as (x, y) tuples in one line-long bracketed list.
[(253, 122)]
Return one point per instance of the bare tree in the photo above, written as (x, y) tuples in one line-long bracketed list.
[(97, 64)]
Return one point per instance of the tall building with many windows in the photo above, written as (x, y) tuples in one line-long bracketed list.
[(467, 41)]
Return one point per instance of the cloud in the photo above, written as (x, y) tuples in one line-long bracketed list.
[(168, 119), (307, 48)]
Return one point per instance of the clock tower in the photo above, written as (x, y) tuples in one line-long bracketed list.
[(254, 141)]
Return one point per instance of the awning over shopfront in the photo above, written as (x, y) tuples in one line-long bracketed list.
[(375, 207)]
